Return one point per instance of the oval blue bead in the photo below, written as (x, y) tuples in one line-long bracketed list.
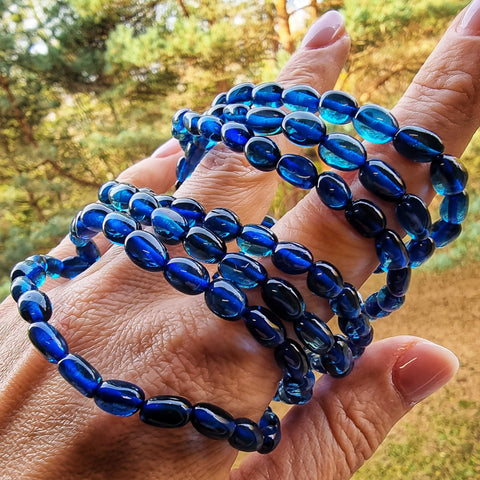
[(324, 280), (190, 122), (382, 180), (73, 266), (265, 120), (236, 112), (104, 189), (333, 191), (337, 107), (347, 303), (366, 218), (398, 281), (241, 93), (292, 258), (178, 126), (183, 169), (372, 309), (264, 326), (141, 207), (146, 251), (93, 215), (454, 208), (164, 200), (267, 94), (118, 397), (271, 432), (223, 222), (448, 175), (20, 285), (89, 252), (170, 226), (243, 271), (417, 144), (413, 215), (387, 301), (220, 98), (190, 209), (79, 233), (444, 233), (166, 411), (54, 266), (80, 374), (342, 152), (225, 299), (304, 128), (48, 341), (235, 136), (203, 245), (262, 153), (268, 221), (301, 97), (30, 269), (283, 298), (256, 240), (375, 124), (212, 421), (210, 127), (297, 170), (34, 306), (117, 226), (391, 251), (217, 111), (186, 275), (291, 358), (355, 327), (338, 362), (419, 251), (293, 392), (314, 333), (247, 436), (119, 196)]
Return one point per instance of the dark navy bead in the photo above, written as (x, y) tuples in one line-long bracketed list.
[(262, 153), (225, 299), (342, 152), (190, 209), (387, 301), (73, 266), (118, 397), (117, 226), (333, 190), (80, 374), (93, 215), (269, 419), (256, 240), (20, 285), (30, 269), (169, 225), (413, 215), (247, 436), (301, 97), (267, 95), (264, 326), (448, 175), (203, 245), (223, 222), (283, 298), (338, 362), (236, 112), (119, 196), (268, 221), (166, 411), (316, 362), (290, 392), (271, 434), (391, 251), (454, 208), (324, 280), (89, 252), (372, 309), (48, 341), (337, 107), (375, 124), (419, 251), (265, 120), (291, 358), (241, 93), (399, 280), (243, 271), (347, 303), (34, 306), (444, 233), (210, 127), (141, 207), (304, 128), (314, 333), (417, 144), (104, 189), (292, 258), (212, 421), (297, 170), (164, 200), (186, 275), (366, 218), (220, 98), (355, 327), (146, 251), (190, 122), (382, 180)]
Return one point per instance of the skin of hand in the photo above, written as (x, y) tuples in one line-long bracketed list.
[(131, 325)]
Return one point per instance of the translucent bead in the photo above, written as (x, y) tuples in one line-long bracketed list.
[(217, 111), (265, 120), (243, 271), (190, 209), (20, 285), (338, 361), (347, 302), (236, 112), (382, 180), (417, 144), (146, 251), (235, 136), (316, 362), (39, 259), (166, 411), (267, 95), (270, 426), (355, 327), (262, 153), (225, 299), (256, 240), (388, 302), (48, 341), (34, 306), (314, 333), (283, 298), (30, 269), (448, 175), (454, 208), (73, 266), (337, 107), (268, 221), (391, 251), (170, 227), (104, 189), (89, 252), (264, 326), (203, 245), (398, 281), (292, 258), (118, 397), (366, 218), (212, 421), (324, 280), (419, 251), (220, 98), (117, 226), (444, 233), (186, 275), (241, 93), (119, 196), (297, 170), (210, 127), (333, 191), (178, 126), (301, 97), (247, 436), (190, 122), (342, 152), (80, 374), (164, 200), (304, 129), (291, 358), (413, 215), (375, 124), (372, 309), (141, 207), (183, 169), (358, 343), (54, 266), (291, 392), (223, 222)]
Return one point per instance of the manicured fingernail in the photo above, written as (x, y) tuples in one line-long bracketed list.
[(423, 369), (328, 28), (168, 148), (470, 22)]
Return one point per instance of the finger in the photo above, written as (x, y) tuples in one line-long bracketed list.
[(348, 419)]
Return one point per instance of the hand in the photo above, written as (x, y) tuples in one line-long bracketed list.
[(131, 325)]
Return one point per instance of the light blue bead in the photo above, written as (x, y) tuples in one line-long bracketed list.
[(419, 251), (304, 128), (241, 93), (342, 152), (30, 269), (210, 127), (117, 226), (178, 127), (48, 341), (267, 95), (186, 275), (54, 266), (243, 271), (262, 153), (301, 97), (333, 190), (391, 251), (34, 306), (223, 222), (337, 107), (236, 112), (382, 180), (203, 245), (235, 136), (264, 326), (444, 233), (375, 124), (80, 374), (265, 120), (119, 196), (190, 209), (314, 333), (297, 170), (454, 208), (417, 144), (292, 258), (141, 207), (448, 175), (146, 251), (413, 215), (118, 397), (225, 299), (256, 240), (169, 226)]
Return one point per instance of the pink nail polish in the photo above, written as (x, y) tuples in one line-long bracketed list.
[(470, 22), (328, 28), (168, 148)]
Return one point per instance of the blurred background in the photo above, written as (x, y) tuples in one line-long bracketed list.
[(87, 87)]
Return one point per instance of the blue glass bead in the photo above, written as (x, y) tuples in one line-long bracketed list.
[(80, 374), (243, 271), (375, 124), (236, 112), (283, 298), (256, 240), (220, 98), (146, 251), (117, 226), (382, 180), (454, 208), (271, 432), (347, 303), (119, 196), (338, 361), (166, 411), (39, 259), (314, 333), (372, 309), (448, 175), (190, 209), (164, 200), (267, 95), (169, 225), (292, 394), (365, 217), (210, 127), (30, 269), (444, 233), (93, 215), (264, 326), (203, 245), (104, 189), (73, 266), (292, 258), (291, 358), (333, 190), (225, 299), (212, 421), (34, 306), (217, 111), (89, 252), (235, 136), (262, 153), (20, 285), (190, 122), (247, 436), (337, 107), (413, 216), (387, 301), (324, 280), (419, 251), (316, 362), (265, 120), (358, 344), (301, 97), (183, 169), (241, 93), (268, 221), (178, 126), (342, 152), (118, 397), (417, 144), (48, 341), (304, 129), (297, 170), (186, 275), (223, 222), (141, 207), (79, 231), (399, 280), (355, 327), (269, 419), (391, 251)]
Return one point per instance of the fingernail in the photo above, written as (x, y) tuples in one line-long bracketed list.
[(168, 148), (470, 22), (328, 28), (423, 369)]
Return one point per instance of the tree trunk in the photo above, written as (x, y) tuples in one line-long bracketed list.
[(283, 26)]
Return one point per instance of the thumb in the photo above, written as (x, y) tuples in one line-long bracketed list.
[(348, 419)]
